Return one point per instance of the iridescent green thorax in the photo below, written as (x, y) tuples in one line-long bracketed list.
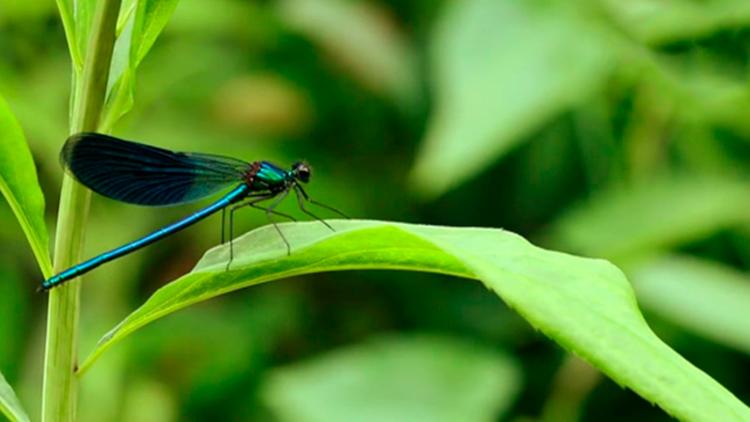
[(264, 175)]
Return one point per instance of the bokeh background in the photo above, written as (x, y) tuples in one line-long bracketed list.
[(613, 129)]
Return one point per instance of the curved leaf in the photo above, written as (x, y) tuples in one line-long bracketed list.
[(661, 213), (9, 404), (585, 305), (19, 185), (713, 299), (500, 69), (396, 378)]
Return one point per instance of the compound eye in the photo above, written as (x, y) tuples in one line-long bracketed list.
[(304, 175), (302, 171)]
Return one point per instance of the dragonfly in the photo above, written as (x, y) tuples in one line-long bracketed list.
[(147, 175)]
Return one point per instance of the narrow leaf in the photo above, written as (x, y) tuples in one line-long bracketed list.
[(65, 7), (83, 20), (659, 214), (707, 298), (151, 16), (672, 20), (492, 73), (585, 305), (415, 378), (20, 187), (9, 404), (139, 26), (127, 9), (345, 30)]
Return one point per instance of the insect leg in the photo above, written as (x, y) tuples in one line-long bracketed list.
[(231, 237), (301, 197), (328, 207), (223, 227), (254, 198), (320, 204), (270, 211)]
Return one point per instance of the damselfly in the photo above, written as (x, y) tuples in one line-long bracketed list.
[(146, 175)]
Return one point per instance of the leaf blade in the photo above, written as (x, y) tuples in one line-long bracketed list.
[(651, 216), (673, 20), (586, 305), (20, 187), (65, 7), (151, 16), (139, 26), (712, 302), (414, 377), (9, 404), (344, 29), (491, 93)]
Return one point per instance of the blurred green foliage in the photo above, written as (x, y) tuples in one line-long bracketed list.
[(615, 129), (392, 378)]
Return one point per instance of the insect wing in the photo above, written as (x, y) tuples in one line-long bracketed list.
[(146, 175)]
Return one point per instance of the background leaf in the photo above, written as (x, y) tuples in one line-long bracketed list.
[(491, 75), (585, 305), (653, 215), (405, 378), (20, 187), (9, 404), (671, 20), (344, 29), (713, 299)]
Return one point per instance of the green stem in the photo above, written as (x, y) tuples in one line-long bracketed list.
[(59, 400)]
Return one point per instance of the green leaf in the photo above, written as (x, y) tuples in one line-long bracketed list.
[(67, 16), (672, 20), (19, 185), (585, 305), (396, 378), (712, 302), (492, 71), (127, 9), (76, 17), (83, 20), (9, 404), (345, 30), (138, 28), (647, 217), (151, 16)]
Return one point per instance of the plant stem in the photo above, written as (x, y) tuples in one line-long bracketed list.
[(59, 399)]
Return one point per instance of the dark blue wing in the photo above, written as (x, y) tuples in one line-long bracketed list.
[(146, 175)]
